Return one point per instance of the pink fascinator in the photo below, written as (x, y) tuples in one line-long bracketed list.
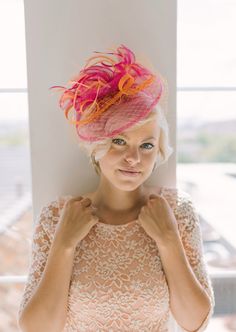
[(111, 93)]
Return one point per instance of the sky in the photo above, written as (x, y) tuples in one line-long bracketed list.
[(206, 57)]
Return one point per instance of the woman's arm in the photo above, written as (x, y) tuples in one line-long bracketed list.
[(44, 304), (188, 301), (47, 308), (191, 295)]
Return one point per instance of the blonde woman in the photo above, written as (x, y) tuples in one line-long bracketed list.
[(125, 257)]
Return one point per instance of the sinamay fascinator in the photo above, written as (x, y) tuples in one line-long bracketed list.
[(111, 93)]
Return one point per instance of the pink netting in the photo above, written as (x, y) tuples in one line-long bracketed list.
[(111, 97)]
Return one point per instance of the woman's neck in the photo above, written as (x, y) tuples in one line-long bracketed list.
[(118, 201)]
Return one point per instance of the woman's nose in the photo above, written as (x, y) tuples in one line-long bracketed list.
[(132, 156)]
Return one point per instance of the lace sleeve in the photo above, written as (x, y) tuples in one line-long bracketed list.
[(191, 235), (41, 242)]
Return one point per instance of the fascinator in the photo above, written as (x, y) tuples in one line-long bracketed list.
[(111, 93)]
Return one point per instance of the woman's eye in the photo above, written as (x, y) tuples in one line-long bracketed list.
[(121, 140), (150, 144), (117, 139)]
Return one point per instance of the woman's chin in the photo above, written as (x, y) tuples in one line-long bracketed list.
[(128, 183)]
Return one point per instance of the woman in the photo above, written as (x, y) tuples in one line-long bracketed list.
[(125, 257)]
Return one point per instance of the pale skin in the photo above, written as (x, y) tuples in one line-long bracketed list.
[(119, 199), (117, 196)]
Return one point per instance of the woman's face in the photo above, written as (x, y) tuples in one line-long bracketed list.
[(131, 150)]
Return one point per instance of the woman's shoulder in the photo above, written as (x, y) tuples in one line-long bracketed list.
[(175, 191), (54, 205), (49, 214), (176, 197)]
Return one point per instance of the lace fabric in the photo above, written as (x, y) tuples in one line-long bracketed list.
[(117, 282)]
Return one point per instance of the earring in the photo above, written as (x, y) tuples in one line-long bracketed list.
[(95, 164), (155, 167)]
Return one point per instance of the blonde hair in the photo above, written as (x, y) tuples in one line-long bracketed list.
[(96, 150)]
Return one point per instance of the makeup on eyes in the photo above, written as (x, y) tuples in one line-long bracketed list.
[(144, 140), (122, 139)]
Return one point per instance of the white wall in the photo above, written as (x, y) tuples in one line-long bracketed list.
[(60, 35)]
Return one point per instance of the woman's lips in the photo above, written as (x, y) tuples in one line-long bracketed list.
[(127, 173)]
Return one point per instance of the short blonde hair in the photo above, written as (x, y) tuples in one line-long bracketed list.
[(96, 150)]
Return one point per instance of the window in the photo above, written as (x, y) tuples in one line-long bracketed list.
[(206, 139), (15, 175)]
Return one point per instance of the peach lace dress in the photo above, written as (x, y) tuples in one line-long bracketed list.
[(117, 281)]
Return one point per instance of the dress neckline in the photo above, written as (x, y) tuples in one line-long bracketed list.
[(127, 224)]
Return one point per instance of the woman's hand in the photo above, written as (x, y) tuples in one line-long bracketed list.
[(77, 218), (158, 219)]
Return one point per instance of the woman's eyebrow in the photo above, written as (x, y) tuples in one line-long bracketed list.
[(145, 139)]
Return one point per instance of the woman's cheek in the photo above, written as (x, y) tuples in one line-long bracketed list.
[(117, 154), (112, 157)]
